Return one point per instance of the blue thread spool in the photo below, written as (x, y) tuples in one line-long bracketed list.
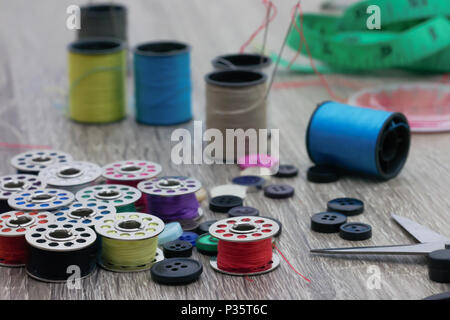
[(365, 141), (162, 77)]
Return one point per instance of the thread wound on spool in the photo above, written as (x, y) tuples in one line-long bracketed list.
[(97, 71), (235, 99), (103, 20), (365, 141), (162, 76)]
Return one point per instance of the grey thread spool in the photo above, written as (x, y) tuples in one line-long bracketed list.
[(103, 20), (236, 99), (243, 61)]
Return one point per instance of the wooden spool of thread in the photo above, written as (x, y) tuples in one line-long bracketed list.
[(236, 99)]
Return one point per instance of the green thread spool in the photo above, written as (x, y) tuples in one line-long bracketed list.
[(97, 71)]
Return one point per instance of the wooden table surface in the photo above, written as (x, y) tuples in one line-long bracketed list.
[(33, 89)]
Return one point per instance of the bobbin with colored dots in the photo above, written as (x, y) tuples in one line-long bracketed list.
[(84, 213), (16, 223), (36, 160), (41, 199), (70, 176), (245, 229), (131, 170), (130, 226), (116, 194), (14, 183), (170, 186), (62, 239)]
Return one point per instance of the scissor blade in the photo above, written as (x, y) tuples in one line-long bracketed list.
[(418, 231), (412, 249)]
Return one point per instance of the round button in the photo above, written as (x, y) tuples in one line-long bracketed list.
[(204, 227), (278, 191), (177, 249), (253, 182), (189, 237), (206, 244), (322, 174), (286, 171), (172, 231), (176, 271), (440, 296), (327, 222), (355, 231), (243, 211), (223, 204), (347, 206), (439, 266)]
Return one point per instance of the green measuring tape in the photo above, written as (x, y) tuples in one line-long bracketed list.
[(414, 35)]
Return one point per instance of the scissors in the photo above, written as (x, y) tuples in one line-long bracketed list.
[(429, 241)]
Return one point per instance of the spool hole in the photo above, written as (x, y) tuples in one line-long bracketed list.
[(243, 227), (42, 198), (243, 60), (108, 194), (169, 183), (60, 234), (161, 47), (69, 172), (394, 146), (235, 77), (14, 185), (82, 212), (130, 225), (20, 221), (130, 168), (41, 159)]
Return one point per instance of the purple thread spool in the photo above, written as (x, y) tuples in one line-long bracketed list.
[(171, 198)]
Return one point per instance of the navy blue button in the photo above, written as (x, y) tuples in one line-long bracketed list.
[(327, 222), (322, 174), (278, 191), (286, 171), (347, 206), (177, 248), (249, 181), (223, 204), (243, 211), (204, 227), (355, 231), (189, 237)]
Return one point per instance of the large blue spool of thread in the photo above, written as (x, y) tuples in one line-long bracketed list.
[(162, 76), (360, 140)]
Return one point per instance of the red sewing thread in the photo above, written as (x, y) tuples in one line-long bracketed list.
[(13, 250), (269, 5), (311, 60), (244, 257)]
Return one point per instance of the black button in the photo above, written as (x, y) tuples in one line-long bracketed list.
[(177, 248), (322, 174), (327, 222), (279, 224), (286, 171), (347, 206), (243, 211), (204, 227), (278, 191), (355, 231), (439, 266), (223, 204), (176, 271)]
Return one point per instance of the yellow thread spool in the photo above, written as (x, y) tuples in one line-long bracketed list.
[(97, 73), (129, 241)]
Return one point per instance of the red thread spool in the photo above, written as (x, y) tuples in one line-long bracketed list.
[(245, 245), (130, 173), (13, 226)]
